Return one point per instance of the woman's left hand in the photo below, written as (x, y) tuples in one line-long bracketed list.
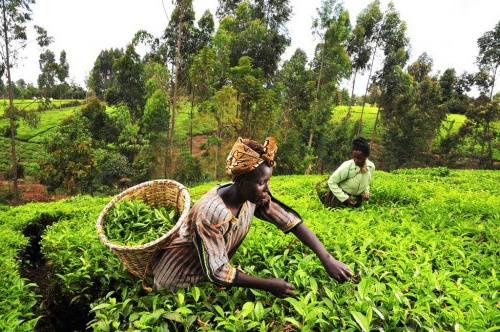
[(366, 196)]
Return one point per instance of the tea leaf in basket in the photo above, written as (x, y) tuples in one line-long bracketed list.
[(133, 222)]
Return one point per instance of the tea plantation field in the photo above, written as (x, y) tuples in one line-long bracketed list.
[(425, 250)]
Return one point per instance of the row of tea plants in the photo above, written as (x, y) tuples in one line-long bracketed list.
[(425, 250)]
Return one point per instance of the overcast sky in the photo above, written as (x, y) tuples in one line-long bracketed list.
[(446, 29)]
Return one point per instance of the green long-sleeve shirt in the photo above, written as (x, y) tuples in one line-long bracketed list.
[(348, 180)]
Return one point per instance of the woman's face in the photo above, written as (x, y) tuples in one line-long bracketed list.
[(254, 186), (359, 158)]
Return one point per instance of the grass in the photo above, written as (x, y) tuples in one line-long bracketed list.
[(29, 153), (49, 119), (368, 119), (451, 124), (32, 104), (24, 104), (29, 140)]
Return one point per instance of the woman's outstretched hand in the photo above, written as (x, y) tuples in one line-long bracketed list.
[(336, 269)]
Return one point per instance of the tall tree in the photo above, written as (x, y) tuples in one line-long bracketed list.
[(227, 7), (454, 88), (130, 84), (412, 111), (448, 81), (275, 14), (203, 79), (183, 8), (258, 103), (431, 110), (395, 46), (180, 40), (48, 67), (429, 97), (297, 80), (331, 62), (421, 68), (361, 41), (14, 16), (102, 77), (482, 116), (62, 74), (223, 112), (400, 119), (204, 73), (258, 30), (375, 42), (205, 31), (489, 54), (157, 85)]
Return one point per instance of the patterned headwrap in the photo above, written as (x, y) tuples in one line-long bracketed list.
[(243, 159)]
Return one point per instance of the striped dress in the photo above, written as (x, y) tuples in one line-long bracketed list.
[(209, 237)]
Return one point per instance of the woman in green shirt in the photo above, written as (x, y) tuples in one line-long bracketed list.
[(349, 185)]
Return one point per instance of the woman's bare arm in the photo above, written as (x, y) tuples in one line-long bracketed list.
[(278, 287), (336, 269)]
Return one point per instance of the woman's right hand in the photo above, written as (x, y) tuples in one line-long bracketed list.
[(280, 288), (336, 269)]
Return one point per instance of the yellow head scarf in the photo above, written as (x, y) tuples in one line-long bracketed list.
[(243, 159)]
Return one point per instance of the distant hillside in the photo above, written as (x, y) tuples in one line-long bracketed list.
[(30, 140)]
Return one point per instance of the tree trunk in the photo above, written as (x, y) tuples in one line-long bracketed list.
[(176, 86), (11, 108), (191, 124), (375, 125), (473, 145), (431, 144), (489, 150), (313, 124), (493, 82), (366, 91), (166, 151), (352, 93)]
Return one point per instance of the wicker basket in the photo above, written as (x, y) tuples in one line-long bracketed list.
[(157, 193)]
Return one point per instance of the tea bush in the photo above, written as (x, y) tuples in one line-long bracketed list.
[(424, 250)]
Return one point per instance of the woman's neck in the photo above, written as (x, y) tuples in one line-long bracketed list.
[(231, 197)]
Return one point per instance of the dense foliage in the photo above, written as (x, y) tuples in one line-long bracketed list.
[(424, 250), (147, 99)]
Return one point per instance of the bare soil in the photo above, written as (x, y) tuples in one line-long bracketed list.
[(30, 192)]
